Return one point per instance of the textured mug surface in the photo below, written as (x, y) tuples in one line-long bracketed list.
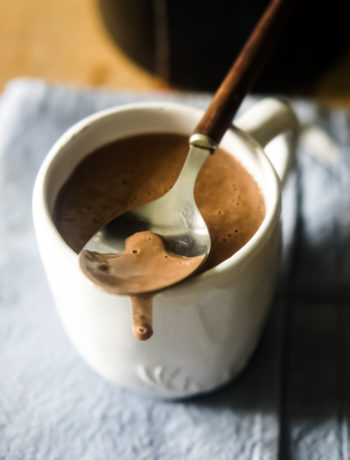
[(206, 328)]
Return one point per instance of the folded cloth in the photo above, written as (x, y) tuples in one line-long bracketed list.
[(292, 401)]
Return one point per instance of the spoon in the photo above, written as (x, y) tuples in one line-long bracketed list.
[(175, 216)]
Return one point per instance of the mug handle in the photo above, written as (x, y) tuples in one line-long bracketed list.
[(273, 119)]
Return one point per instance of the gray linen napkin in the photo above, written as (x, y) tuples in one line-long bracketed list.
[(292, 401)]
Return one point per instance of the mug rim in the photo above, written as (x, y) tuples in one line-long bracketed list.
[(41, 209)]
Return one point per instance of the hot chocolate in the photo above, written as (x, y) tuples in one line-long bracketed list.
[(133, 171), (144, 267)]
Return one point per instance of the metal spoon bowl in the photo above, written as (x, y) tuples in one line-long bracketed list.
[(174, 216)]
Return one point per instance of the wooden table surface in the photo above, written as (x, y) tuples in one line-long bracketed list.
[(64, 41)]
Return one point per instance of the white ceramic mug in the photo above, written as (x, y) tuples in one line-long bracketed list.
[(206, 328)]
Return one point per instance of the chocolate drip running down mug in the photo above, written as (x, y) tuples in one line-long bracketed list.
[(207, 327)]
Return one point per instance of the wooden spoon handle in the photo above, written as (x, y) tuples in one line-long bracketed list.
[(243, 73)]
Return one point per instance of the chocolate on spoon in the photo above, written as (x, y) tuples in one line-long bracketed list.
[(145, 265)]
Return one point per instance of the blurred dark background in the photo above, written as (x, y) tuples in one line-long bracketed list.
[(143, 45), (192, 44)]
